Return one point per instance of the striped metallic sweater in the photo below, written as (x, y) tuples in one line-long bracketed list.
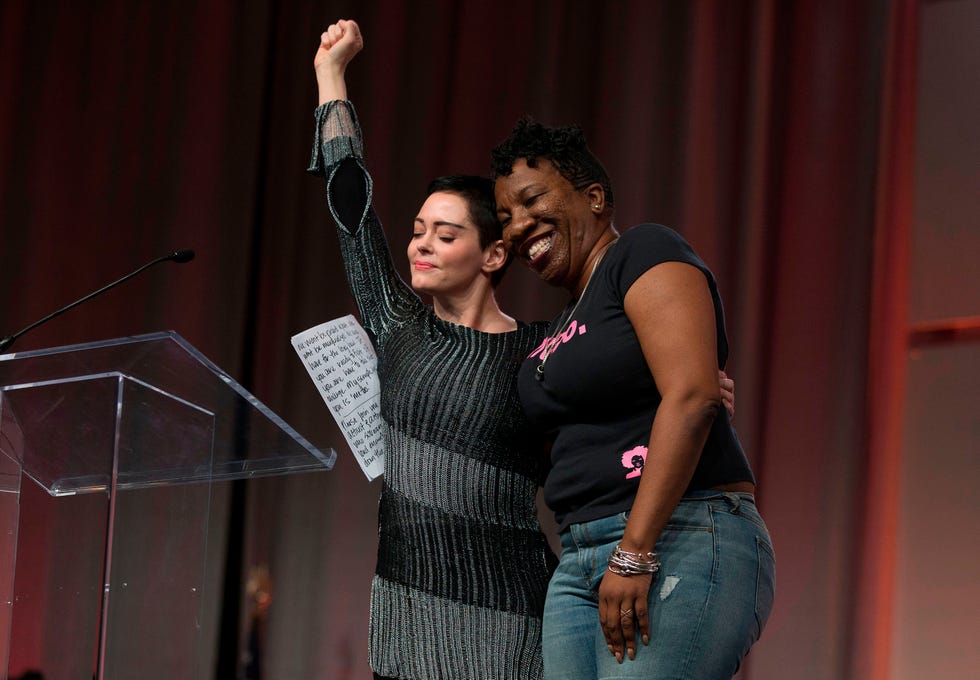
[(462, 563)]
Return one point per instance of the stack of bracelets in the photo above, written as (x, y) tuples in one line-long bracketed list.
[(625, 563)]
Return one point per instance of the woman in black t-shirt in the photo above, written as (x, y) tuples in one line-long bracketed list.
[(652, 491)]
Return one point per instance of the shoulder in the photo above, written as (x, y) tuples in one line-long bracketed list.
[(643, 247), (656, 240), (536, 331), (536, 326)]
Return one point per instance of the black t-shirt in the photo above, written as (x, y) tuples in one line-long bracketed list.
[(597, 397)]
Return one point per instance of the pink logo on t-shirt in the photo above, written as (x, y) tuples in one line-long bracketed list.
[(634, 460), (549, 345)]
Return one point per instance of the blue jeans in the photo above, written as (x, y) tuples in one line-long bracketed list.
[(708, 603)]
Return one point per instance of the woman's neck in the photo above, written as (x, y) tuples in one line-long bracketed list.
[(608, 236), (478, 311)]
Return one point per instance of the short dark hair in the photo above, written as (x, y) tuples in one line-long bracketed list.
[(482, 207), (565, 147)]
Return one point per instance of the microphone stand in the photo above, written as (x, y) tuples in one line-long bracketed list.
[(179, 256)]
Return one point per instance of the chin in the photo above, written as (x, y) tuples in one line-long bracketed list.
[(550, 275), (423, 289)]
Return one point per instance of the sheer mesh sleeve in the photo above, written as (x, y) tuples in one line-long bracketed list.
[(337, 136), (383, 299)]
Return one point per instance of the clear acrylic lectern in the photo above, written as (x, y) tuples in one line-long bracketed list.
[(108, 454)]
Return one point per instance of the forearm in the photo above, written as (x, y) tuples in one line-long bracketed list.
[(331, 84), (677, 438)]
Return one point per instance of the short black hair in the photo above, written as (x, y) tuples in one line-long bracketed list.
[(478, 194), (564, 146)]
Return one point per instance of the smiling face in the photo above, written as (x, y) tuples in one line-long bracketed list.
[(548, 224), (444, 253)]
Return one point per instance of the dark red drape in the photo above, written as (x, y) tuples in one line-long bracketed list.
[(761, 130)]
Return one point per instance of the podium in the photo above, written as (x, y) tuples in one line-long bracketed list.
[(110, 457)]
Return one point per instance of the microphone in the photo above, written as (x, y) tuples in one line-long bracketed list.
[(179, 256)]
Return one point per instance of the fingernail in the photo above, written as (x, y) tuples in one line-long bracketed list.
[(646, 639), (619, 657), (632, 653)]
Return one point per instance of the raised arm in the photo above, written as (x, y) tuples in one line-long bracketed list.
[(383, 299)]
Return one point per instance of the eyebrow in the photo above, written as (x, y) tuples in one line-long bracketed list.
[(441, 223), (532, 187)]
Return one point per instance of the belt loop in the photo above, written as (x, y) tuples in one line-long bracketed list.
[(735, 500)]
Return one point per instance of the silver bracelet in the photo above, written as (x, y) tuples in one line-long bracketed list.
[(626, 563)]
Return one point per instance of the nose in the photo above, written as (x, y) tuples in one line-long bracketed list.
[(518, 228), (423, 243)]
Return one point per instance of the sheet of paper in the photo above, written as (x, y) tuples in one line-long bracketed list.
[(341, 361)]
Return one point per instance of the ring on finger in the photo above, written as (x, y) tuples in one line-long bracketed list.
[(625, 614)]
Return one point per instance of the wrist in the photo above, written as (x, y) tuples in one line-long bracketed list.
[(637, 544), (623, 562), (329, 71), (331, 86)]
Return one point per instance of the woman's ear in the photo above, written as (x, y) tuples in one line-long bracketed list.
[(597, 197), (494, 256)]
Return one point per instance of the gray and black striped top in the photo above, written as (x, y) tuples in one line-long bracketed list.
[(462, 563)]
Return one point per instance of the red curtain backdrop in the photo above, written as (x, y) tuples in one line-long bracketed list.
[(768, 132)]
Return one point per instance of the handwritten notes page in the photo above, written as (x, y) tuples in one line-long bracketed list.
[(341, 361)]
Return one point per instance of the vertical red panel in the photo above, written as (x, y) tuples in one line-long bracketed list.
[(887, 350)]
